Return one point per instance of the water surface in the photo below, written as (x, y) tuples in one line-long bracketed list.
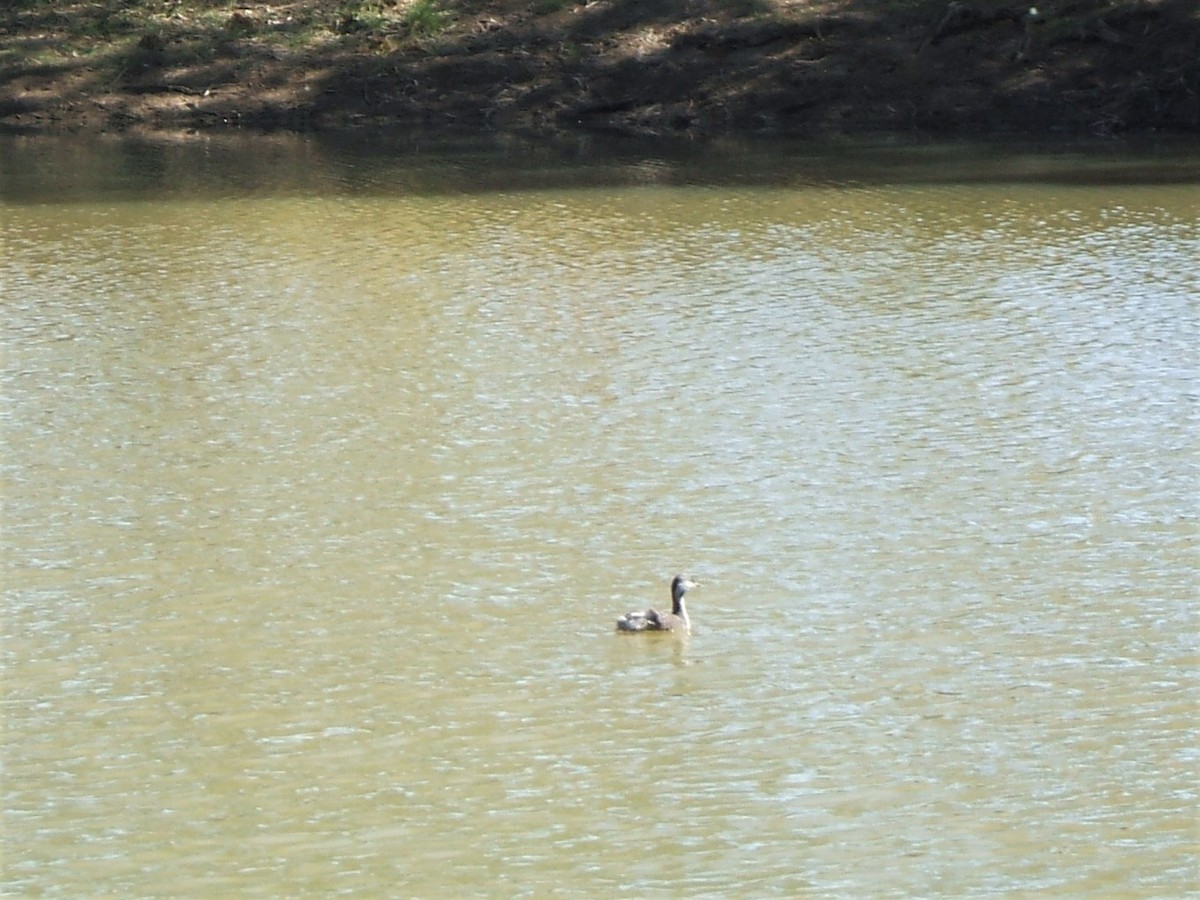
[(326, 472)]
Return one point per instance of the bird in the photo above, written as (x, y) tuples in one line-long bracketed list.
[(653, 620)]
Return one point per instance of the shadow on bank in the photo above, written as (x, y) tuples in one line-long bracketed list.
[(644, 67)]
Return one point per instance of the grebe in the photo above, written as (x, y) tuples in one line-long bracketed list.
[(653, 620)]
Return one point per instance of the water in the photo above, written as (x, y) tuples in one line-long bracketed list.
[(327, 472)]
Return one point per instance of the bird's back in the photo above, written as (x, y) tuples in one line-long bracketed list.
[(650, 620)]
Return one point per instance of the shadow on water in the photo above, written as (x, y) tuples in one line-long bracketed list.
[(50, 169)]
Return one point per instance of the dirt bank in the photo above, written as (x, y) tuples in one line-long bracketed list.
[(637, 66)]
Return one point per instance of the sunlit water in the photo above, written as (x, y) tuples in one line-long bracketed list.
[(320, 499)]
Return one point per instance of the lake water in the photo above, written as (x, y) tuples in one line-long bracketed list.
[(328, 469)]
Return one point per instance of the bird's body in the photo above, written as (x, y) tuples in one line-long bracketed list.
[(653, 620)]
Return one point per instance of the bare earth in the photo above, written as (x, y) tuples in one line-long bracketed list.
[(647, 67)]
